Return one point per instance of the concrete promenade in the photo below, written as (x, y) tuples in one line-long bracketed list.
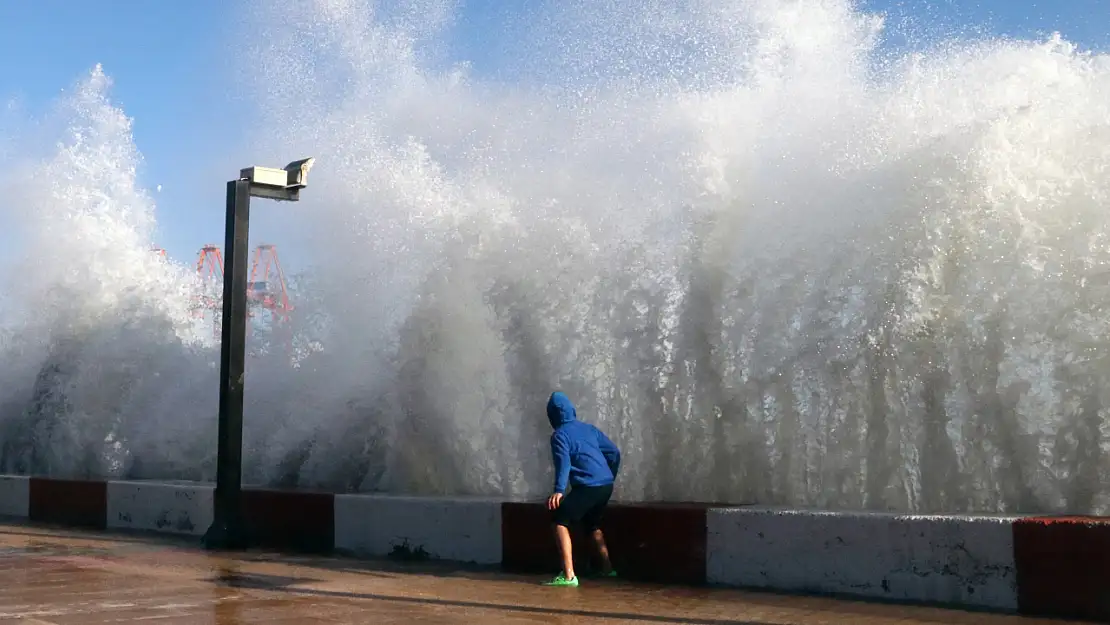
[(61, 576)]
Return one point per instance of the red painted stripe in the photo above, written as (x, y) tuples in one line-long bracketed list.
[(302, 521), (528, 544), (76, 503), (650, 542), (1063, 567)]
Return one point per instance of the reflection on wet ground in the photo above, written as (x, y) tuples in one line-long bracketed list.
[(59, 577)]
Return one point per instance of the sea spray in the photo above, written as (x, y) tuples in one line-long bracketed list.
[(776, 260)]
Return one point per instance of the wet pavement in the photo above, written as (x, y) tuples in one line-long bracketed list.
[(58, 577)]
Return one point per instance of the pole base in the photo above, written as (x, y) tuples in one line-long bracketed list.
[(225, 536)]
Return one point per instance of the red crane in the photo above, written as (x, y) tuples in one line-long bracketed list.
[(210, 269), (212, 260), (266, 289)]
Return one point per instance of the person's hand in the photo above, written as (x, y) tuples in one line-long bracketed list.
[(554, 501)]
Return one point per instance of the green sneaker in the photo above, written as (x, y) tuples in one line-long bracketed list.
[(598, 574), (561, 580)]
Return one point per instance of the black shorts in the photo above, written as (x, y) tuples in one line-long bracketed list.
[(583, 505)]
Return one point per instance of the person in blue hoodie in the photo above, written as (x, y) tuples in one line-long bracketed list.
[(586, 461)]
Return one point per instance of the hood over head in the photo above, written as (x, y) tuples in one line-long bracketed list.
[(560, 410)]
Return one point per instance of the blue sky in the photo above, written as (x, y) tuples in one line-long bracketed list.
[(170, 72)]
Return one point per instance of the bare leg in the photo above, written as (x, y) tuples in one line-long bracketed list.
[(602, 552), (562, 536)]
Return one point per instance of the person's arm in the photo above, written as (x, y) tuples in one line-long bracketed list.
[(610, 451), (560, 458)]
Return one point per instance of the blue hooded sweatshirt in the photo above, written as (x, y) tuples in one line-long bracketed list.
[(581, 453)]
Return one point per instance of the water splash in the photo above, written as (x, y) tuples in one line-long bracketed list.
[(98, 323), (776, 261)]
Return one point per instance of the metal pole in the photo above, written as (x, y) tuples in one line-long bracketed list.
[(227, 530)]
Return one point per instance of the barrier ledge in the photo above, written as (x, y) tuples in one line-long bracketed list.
[(650, 542), (956, 560), (15, 496), (289, 519), (174, 508), (1063, 566), (459, 529), (75, 503)]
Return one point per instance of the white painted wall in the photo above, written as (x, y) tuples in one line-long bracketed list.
[(458, 529), (15, 496), (153, 506), (959, 560)]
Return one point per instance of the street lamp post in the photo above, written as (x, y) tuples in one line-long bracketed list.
[(227, 530)]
